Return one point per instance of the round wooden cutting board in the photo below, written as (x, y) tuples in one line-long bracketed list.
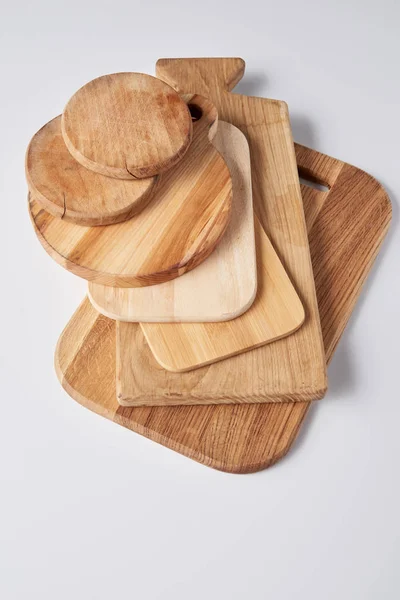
[(175, 232), (67, 190), (127, 125)]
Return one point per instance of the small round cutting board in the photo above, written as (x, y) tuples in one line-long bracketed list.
[(69, 191), (177, 230), (127, 125)]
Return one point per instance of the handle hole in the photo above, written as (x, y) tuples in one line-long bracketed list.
[(195, 112), (312, 183)]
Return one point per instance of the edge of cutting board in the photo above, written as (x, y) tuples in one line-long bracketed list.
[(226, 316)]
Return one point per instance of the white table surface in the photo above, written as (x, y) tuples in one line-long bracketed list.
[(89, 510)]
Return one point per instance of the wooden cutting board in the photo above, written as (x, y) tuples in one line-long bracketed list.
[(231, 267), (127, 125), (176, 231), (294, 368), (67, 190), (346, 228)]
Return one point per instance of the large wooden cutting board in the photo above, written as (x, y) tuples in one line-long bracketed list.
[(177, 230), (223, 286), (346, 228), (293, 369)]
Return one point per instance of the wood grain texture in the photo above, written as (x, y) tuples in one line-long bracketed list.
[(293, 368), (179, 347), (177, 230), (223, 286), (345, 233), (65, 189), (127, 125)]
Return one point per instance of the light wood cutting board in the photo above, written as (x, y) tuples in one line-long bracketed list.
[(295, 368), (346, 228), (223, 286), (181, 226)]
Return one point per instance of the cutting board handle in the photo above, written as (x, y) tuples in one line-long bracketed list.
[(200, 74), (316, 166)]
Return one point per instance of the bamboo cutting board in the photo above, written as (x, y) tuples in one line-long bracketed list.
[(231, 268), (346, 228), (176, 231), (127, 125), (69, 191), (293, 369)]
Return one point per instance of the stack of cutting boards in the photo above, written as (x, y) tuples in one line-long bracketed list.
[(219, 286)]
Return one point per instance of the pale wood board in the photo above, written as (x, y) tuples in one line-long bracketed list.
[(347, 226), (231, 268), (179, 347), (127, 125), (294, 368), (66, 189), (177, 230)]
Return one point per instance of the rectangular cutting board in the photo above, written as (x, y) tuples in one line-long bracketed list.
[(346, 227), (220, 288), (293, 369)]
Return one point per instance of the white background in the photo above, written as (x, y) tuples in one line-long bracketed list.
[(89, 510)]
